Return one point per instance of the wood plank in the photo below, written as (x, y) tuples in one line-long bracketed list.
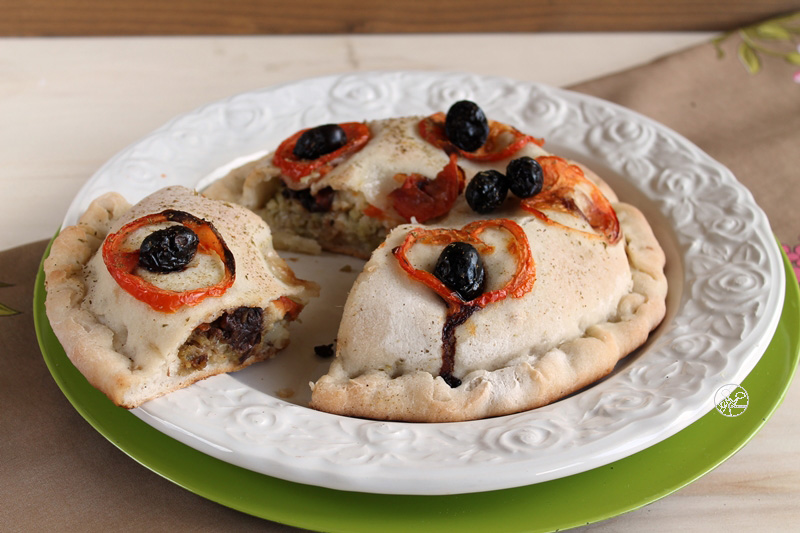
[(242, 17)]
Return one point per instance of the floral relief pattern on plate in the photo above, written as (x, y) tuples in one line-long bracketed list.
[(724, 270)]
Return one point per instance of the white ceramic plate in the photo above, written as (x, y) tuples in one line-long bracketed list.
[(725, 296)]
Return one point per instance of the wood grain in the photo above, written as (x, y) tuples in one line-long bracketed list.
[(252, 17)]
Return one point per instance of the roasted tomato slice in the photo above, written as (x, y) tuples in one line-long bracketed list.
[(422, 198), (375, 212), (458, 310), (121, 264), (503, 142), (520, 283), (290, 308), (568, 190), (294, 169)]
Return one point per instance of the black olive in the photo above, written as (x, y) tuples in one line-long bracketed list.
[(319, 141), (319, 203), (325, 351), (466, 125), (168, 250), (486, 191), (525, 177), (461, 270), (451, 380), (241, 329)]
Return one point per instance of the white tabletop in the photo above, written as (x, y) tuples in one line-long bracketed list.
[(68, 105)]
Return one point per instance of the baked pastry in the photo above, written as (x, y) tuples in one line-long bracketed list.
[(498, 303), (150, 298), (338, 201), (560, 307)]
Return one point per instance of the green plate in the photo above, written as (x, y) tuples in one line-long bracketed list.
[(670, 464)]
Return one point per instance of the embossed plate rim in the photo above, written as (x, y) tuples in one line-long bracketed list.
[(541, 507), (635, 408)]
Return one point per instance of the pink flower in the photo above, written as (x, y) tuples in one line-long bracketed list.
[(796, 77), (794, 256)]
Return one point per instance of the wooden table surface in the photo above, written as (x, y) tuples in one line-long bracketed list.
[(68, 105), (278, 17)]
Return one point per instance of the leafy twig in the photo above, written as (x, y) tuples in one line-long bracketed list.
[(780, 29), (7, 311), (4, 309)]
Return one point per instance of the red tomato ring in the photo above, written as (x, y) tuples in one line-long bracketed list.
[(293, 168), (122, 264), (432, 130), (560, 181), (520, 283)]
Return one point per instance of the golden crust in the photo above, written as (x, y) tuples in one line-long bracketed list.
[(121, 345)]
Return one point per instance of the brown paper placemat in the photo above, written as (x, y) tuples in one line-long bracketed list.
[(59, 474), (750, 122)]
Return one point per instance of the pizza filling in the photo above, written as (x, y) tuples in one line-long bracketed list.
[(233, 338), (336, 220)]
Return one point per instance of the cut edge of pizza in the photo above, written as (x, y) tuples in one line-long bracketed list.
[(137, 333), (346, 202)]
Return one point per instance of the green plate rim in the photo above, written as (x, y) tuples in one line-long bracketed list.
[(604, 492)]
